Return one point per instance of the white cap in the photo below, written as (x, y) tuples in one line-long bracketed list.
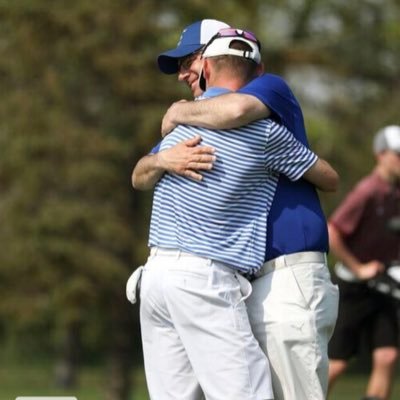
[(388, 138), (220, 46)]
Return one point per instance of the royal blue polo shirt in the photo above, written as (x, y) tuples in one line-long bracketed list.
[(296, 221)]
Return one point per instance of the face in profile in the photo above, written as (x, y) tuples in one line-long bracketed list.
[(189, 69), (389, 160)]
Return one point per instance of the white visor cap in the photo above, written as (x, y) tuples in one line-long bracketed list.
[(220, 47)]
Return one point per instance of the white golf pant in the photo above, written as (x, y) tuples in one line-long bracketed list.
[(293, 311), (195, 331)]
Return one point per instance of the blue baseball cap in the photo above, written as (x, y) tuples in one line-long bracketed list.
[(192, 39)]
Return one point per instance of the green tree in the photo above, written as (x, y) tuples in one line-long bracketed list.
[(81, 102)]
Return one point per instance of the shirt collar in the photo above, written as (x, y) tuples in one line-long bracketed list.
[(215, 91)]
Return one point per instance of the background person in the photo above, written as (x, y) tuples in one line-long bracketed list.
[(361, 240)]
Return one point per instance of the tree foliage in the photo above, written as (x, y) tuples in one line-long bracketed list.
[(82, 100)]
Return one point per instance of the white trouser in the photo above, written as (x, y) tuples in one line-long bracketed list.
[(195, 330), (293, 311)]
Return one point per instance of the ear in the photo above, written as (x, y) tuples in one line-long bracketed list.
[(202, 79), (206, 69)]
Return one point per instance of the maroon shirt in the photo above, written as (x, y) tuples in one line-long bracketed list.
[(363, 216)]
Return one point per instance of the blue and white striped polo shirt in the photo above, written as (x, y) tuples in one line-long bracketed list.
[(224, 216)]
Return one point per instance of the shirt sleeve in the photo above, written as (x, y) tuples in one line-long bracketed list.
[(174, 137), (286, 155), (275, 93), (155, 149)]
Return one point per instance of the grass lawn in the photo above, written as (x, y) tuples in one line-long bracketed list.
[(23, 380), (352, 386), (37, 380)]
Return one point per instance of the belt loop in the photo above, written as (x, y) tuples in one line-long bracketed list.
[(280, 262)]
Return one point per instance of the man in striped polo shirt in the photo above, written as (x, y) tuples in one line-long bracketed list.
[(296, 224), (228, 224)]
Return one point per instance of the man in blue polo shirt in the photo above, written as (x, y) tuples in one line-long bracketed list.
[(292, 314)]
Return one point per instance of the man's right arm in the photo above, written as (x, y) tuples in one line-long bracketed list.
[(342, 252), (147, 172), (185, 158)]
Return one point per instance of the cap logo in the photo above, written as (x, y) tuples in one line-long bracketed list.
[(180, 39)]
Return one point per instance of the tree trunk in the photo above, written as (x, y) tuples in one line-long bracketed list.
[(120, 356), (66, 368)]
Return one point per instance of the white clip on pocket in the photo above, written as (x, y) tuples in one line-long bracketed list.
[(133, 285), (245, 286)]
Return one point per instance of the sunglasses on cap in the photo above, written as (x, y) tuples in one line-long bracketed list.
[(233, 32)]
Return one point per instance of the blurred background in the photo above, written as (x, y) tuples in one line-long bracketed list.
[(81, 100)]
